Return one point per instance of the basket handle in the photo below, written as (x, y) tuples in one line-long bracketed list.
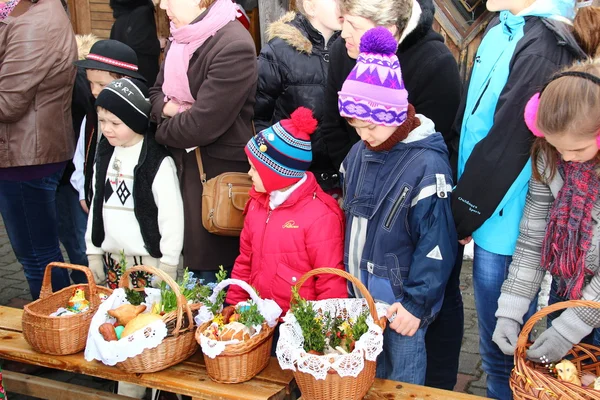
[(363, 290), (268, 308), (181, 300), (524, 335), (46, 289)]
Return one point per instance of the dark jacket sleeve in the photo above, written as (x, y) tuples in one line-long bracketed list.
[(231, 77), (270, 86), (432, 227), (439, 93), (500, 157), (333, 129)]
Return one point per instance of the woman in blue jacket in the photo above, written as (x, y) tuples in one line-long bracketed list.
[(523, 46)]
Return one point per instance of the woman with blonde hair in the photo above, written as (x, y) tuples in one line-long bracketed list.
[(204, 97), (431, 77)]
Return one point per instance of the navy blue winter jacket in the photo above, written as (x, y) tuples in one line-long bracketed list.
[(400, 235)]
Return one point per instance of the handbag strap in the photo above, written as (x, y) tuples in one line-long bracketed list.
[(199, 159)]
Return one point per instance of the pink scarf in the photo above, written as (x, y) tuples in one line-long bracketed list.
[(7, 8), (184, 42)]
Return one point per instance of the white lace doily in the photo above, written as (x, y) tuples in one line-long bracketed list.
[(290, 350), (267, 308), (113, 352)]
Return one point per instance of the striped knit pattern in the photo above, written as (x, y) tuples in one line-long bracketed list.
[(280, 158), (525, 273)]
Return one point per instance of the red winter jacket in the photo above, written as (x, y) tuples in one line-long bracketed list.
[(277, 247)]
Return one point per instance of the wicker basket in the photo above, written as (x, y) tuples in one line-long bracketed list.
[(242, 361), (179, 343), (530, 380), (335, 387), (60, 335)]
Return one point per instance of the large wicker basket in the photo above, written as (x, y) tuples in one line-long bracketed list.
[(179, 343), (530, 380), (335, 387), (60, 335), (242, 361)]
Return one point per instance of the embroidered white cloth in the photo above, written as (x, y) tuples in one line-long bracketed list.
[(113, 352), (290, 350)]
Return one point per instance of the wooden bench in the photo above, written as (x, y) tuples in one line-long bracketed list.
[(189, 377)]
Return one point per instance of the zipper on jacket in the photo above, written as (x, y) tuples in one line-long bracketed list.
[(268, 216), (395, 207), (230, 186), (481, 96)]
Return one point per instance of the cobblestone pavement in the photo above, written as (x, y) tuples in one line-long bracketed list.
[(15, 292)]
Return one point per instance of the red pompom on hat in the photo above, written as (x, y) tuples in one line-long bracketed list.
[(282, 153), (302, 122)]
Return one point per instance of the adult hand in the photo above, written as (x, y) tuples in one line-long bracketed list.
[(466, 240), (96, 264), (551, 345), (403, 322), (506, 335), (84, 206), (170, 109)]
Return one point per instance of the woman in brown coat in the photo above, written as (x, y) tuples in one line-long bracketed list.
[(204, 97), (37, 50)]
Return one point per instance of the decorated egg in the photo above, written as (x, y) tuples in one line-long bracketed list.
[(119, 331)]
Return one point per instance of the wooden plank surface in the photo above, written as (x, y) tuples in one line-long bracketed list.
[(271, 381), (50, 389), (185, 378)]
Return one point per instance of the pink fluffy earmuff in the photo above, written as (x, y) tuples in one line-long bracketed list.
[(533, 105)]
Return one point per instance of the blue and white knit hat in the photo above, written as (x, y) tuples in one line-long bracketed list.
[(282, 153)]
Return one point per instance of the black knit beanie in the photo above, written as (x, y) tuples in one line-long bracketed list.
[(127, 98)]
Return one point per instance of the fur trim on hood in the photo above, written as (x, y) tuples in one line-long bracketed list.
[(420, 22), (283, 30), (84, 44)]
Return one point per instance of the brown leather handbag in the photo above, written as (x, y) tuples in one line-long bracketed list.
[(224, 199)]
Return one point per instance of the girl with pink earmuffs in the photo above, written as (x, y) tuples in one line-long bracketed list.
[(560, 229)]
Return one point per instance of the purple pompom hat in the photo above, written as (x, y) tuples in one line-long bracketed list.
[(374, 91)]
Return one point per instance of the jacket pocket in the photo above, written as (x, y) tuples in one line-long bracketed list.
[(281, 286), (396, 207)]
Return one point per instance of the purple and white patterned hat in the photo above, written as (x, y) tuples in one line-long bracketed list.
[(374, 91)]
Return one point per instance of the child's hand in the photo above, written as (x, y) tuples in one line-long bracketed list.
[(170, 109), (403, 322), (84, 206)]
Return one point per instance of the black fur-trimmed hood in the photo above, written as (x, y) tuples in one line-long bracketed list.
[(415, 31)]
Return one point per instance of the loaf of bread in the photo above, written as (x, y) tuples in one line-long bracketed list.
[(139, 322), (107, 330), (126, 313), (234, 330)]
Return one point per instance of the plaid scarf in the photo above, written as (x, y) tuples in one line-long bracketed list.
[(569, 231), (6, 8)]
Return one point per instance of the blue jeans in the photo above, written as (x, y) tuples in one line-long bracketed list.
[(489, 273), (29, 212), (71, 227), (593, 338), (404, 358)]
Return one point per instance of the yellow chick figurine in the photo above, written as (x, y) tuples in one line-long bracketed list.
[(567, 372), (78, 303)]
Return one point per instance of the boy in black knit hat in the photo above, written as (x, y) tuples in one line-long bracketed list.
[(137, 206)]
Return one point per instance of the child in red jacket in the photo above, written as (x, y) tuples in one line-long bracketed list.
[(291, 225)]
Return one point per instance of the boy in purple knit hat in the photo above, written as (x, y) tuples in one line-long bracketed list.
[(400, 236)]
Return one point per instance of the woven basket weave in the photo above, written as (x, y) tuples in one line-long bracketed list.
[(335, 387), (179, 343), (60, 335), (530, 380), (242, 361)]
